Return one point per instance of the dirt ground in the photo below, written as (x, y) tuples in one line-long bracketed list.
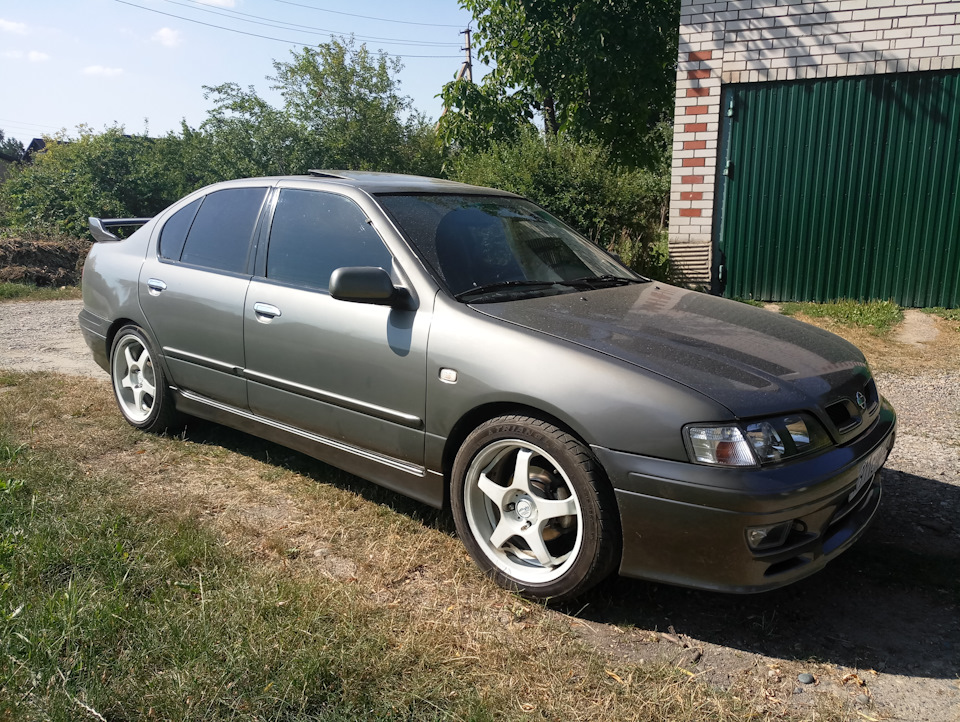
[(878, 629)]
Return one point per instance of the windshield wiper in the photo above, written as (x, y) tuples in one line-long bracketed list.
[(604, 281), (501, 286)]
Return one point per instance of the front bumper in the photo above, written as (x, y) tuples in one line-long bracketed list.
[(686, 524)]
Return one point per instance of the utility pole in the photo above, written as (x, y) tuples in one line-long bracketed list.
[(466, 70), (466, 67)]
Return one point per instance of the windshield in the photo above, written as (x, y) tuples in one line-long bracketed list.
[(490, 248)]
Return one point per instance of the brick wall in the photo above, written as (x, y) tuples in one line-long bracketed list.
[(749, 41)]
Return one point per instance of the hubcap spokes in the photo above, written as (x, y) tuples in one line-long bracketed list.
[(514, 514), (134, 379)]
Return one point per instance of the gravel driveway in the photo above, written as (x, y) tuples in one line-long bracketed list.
[(886, 612)]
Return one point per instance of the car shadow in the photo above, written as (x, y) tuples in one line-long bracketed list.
[(890, 603)]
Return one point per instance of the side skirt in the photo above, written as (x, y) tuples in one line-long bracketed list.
[(401, 476)]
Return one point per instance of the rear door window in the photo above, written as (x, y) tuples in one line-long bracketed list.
[(314, 233), (220, 235)]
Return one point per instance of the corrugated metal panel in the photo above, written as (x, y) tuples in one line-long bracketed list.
[(844, 188)]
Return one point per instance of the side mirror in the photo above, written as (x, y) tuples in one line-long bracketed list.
[(365, 284)]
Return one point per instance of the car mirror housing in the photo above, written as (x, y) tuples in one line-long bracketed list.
[(365, 284)]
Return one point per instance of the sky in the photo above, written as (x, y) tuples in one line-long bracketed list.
[(142, 64)]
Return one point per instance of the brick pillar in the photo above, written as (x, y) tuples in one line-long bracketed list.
[(696, 128)]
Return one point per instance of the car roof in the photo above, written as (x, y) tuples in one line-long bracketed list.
[(373, 182)]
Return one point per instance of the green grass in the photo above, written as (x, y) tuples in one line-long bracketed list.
[(149, 616), (120, 601), (749, 302), (879, 316), (27, 292), (950, 314)]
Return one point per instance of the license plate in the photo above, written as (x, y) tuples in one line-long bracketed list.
[(869, 468)]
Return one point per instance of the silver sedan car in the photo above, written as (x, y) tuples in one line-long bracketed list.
[(462, 346)]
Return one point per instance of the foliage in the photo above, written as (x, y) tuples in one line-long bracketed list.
[(620, 209), (880, 315), (600, 69), (10, 147), (95, 174), (342, 109)]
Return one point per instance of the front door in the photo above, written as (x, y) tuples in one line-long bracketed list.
[(349, 372)]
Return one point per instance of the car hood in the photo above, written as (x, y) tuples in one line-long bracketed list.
[(751, 360)]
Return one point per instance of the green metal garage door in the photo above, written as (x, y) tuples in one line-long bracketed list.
[(843, 188)]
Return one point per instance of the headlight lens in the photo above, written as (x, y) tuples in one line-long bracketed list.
[(757, 442)]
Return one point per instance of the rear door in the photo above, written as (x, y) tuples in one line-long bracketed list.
[(193, 288), (352, 373)]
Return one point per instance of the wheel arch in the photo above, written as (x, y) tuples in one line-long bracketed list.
[(118, 324), (481, 414)]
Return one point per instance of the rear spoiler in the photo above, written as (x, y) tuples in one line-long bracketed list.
[(99, 226)]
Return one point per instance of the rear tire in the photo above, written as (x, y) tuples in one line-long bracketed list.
[(534, 508), (139, 384)]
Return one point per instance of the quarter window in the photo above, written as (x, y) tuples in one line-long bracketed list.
[(313, 234), (175, 231), (221, 233)]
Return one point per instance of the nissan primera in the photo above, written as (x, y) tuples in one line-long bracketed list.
[(462, 346)]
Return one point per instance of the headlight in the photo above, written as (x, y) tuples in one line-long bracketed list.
[(756, 442)]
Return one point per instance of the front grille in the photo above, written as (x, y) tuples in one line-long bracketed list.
[(844, 415)]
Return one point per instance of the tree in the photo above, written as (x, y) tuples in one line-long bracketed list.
[(591, 68), (10, 147), (342, 108)]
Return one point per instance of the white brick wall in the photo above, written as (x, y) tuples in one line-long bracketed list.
[(749, 41)]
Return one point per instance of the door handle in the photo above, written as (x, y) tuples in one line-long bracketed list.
[(155, 286), (266, 312)]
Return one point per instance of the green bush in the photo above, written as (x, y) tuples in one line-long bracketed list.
[(107, 174)]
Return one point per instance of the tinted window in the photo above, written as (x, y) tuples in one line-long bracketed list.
[(175, 231), (475, 241), (314, 234), (220, 236)]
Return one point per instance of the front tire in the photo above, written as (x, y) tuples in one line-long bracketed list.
[(534, 509), (139, 384)]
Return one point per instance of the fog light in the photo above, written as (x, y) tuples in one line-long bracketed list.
[(768, 537)]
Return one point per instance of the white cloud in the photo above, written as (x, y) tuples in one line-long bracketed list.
[(13, 55), (35, 56), (19, 28), (219, 3), (167, 37), (102, 71)]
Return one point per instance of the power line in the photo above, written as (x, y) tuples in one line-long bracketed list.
[(270, 22), (25, 123), (366, 17), (257, 35)]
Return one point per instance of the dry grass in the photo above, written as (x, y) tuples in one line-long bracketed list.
[(885, 353), (415, 622)]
